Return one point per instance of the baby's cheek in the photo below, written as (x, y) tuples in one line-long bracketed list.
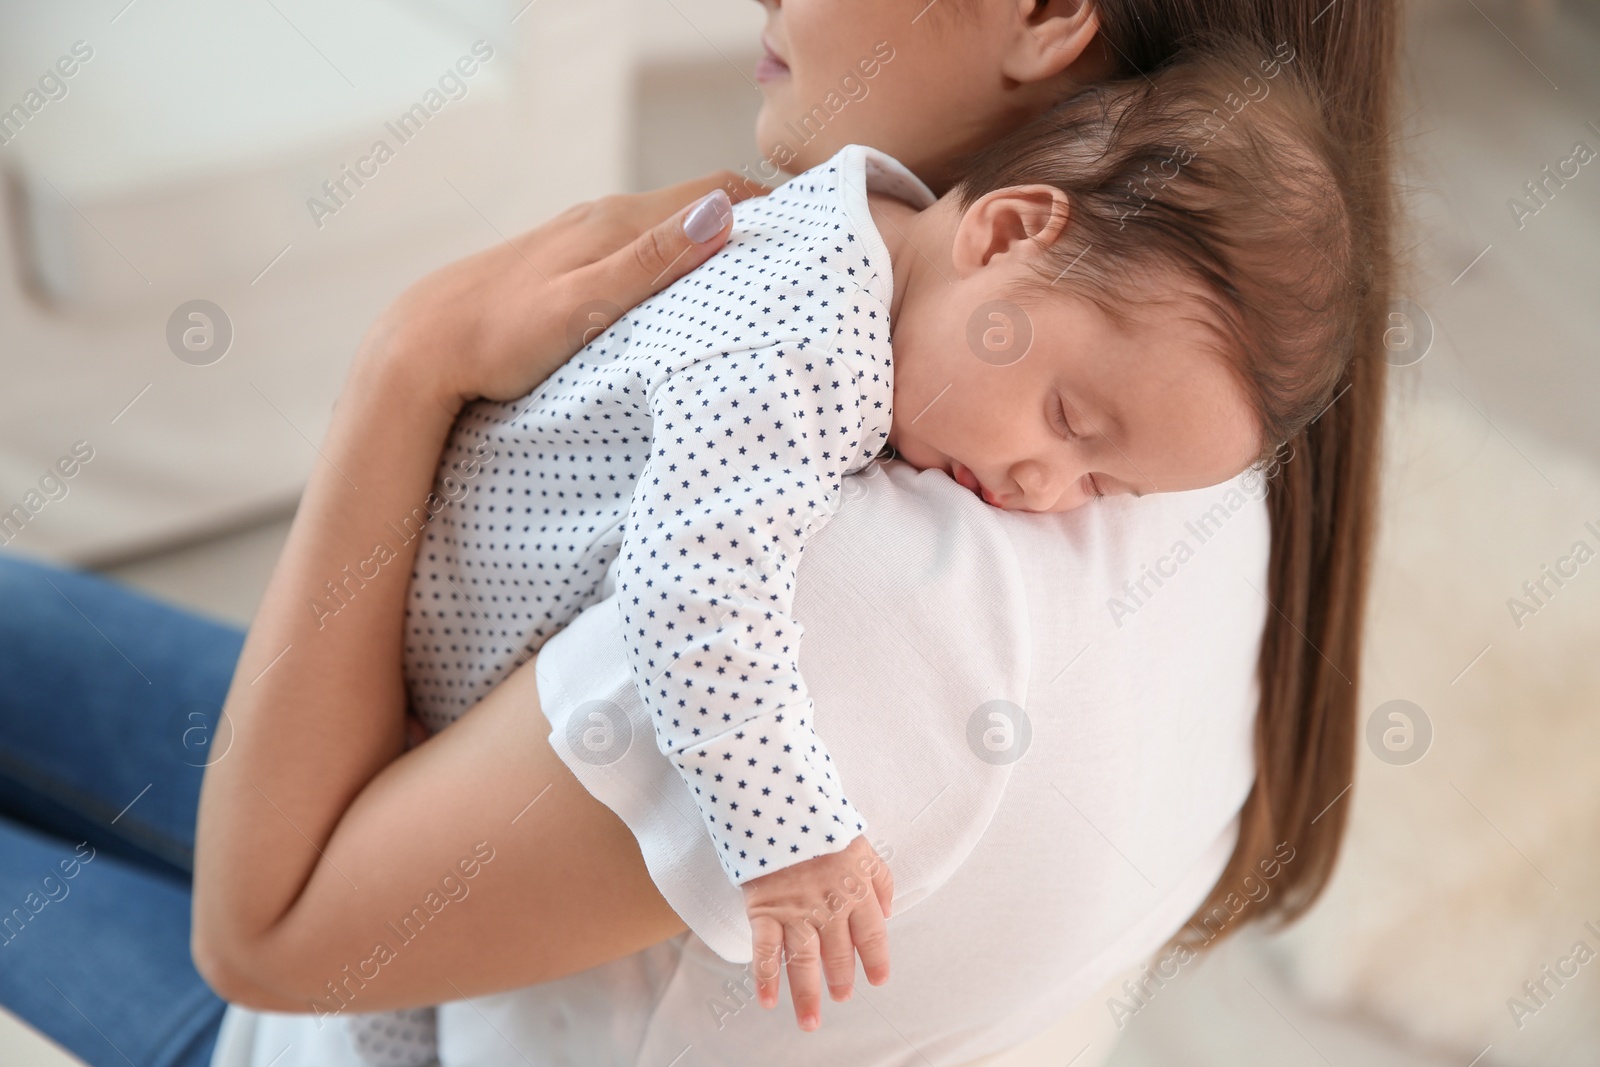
[(909, 449)]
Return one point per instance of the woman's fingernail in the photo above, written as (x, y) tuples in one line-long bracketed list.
[(707, 218)]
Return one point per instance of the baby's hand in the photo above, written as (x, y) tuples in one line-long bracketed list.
[(827, 908)]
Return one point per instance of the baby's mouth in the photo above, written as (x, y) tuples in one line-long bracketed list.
[(967, 480)]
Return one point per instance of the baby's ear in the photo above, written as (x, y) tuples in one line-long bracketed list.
[(1018, 222)]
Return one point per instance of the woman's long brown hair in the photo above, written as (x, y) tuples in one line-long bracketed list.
[(1321, 501)]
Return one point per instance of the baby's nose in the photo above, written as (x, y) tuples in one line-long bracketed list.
[(1049, 488)]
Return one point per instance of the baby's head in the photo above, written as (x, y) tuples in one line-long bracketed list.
[(1148, 289)]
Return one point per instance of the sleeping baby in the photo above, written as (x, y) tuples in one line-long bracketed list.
[(1146, 290)]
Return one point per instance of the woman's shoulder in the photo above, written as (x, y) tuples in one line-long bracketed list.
[(1110, 650), (1151, 605), (1119, 555)]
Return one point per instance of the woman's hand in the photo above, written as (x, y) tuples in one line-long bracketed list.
[(498, 323)]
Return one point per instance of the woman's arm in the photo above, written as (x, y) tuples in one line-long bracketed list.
[(473, 864), (306, 842)]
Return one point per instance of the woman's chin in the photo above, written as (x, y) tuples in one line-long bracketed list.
[(770, 138), (778, 144)]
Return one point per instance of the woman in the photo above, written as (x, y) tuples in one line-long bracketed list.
[(311, 830)]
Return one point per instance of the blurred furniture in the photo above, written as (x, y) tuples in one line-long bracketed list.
[(182, 163)]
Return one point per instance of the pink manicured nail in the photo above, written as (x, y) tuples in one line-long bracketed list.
[(708, 217)]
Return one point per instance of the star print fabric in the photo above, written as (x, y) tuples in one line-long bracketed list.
[(746, 464), (682, 459)]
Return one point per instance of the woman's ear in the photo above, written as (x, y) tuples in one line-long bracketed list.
[(1051, 35), (1008, 225)]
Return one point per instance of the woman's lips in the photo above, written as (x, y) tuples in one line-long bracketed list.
[(769, 67)]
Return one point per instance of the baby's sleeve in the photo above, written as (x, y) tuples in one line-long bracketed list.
[(748, 452)]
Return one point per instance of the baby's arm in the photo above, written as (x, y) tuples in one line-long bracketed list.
[(747, 455), (748, 451)]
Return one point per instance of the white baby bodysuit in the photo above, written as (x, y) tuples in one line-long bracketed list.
[(682, 458)]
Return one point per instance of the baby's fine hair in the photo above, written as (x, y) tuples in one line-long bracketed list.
[(1217, 171)]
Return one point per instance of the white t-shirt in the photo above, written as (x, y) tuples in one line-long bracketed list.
[(1127, 629)]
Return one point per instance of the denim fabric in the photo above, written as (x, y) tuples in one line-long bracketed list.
[(109, 705)]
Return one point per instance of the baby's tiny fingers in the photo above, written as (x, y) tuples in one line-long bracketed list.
[(883, 885), (838, 958), (805, 984), (871, 936), (766, 958)]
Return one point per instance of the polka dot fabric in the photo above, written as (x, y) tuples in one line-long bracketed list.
[(682, 459), (407, 1038)]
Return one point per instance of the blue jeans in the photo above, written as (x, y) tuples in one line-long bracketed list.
[(108, 702)]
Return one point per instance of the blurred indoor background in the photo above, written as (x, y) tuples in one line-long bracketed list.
[(177, 163)]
